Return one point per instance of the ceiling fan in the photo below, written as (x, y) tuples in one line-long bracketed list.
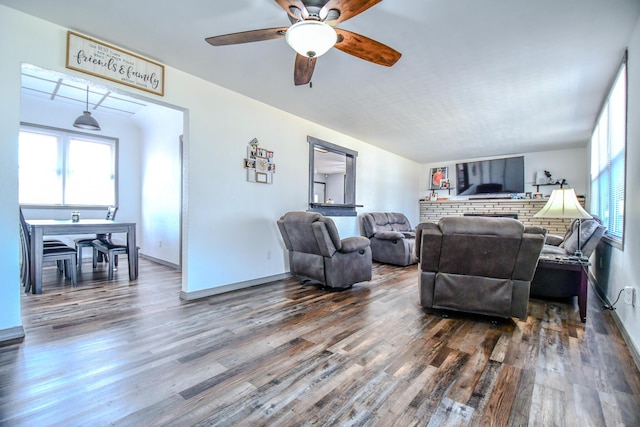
[(312, 34)]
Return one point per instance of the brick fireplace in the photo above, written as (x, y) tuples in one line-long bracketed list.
[(523, 208)]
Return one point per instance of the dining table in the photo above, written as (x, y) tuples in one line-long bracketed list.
[(50, 227)]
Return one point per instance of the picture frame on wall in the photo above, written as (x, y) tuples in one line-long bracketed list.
[(438, 175), (262, 178), (260, 163)]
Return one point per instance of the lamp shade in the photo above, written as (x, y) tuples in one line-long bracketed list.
[(86, 121), (563, 203), (311, 38)]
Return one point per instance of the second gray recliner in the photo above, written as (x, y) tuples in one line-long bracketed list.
[(316, 251)]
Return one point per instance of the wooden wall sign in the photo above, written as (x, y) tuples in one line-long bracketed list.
[(109, 62)]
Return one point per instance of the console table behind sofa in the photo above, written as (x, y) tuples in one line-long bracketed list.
[(524, 208)]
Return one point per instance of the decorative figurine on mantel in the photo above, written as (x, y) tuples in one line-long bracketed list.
[(545, 178)]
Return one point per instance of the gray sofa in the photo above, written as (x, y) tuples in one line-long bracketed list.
[(558, 283), (317, 253), (591, 231), (392, 238), (477, 265)]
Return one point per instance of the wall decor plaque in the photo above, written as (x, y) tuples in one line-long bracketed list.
[(100, 59)]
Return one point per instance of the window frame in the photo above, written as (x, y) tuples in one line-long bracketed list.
[(621, 71), (349, 206), (67, 135)]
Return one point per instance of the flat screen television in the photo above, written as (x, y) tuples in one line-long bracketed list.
[(495, 176)]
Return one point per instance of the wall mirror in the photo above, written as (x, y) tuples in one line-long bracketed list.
[(332, 178)]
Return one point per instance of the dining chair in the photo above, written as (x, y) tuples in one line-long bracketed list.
[(49, 243), (58, 253), (87, 242), (111, 250)]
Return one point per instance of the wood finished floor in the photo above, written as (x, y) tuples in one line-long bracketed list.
[(286, 354)]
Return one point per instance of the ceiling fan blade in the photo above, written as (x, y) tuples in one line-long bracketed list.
[(247, 36), (303, 70), (347, 8), (288, 4), (366, 48)]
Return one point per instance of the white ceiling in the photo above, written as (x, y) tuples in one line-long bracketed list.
[(61, 88), (477, 77)]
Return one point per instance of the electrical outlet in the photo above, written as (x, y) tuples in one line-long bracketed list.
[(629, 295)]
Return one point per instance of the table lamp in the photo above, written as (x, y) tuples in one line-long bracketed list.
[(563, 203)]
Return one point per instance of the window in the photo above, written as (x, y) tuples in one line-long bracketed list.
[(64, 168), (332, 178), (608, 148)]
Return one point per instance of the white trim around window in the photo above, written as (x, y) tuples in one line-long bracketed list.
[(63, 168)]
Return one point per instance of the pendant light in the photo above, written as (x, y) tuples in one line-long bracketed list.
[(85, 121)]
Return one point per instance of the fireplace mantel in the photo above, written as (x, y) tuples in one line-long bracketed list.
[(524, 208)]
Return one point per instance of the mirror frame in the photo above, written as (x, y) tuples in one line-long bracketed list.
[(349, 206)]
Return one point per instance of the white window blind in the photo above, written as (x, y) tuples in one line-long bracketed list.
[(608, 146), (62, 168)]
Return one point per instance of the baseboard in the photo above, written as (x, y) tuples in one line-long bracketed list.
[(190, 296), (635, 353), (627, 339), (8, 336), (161, 261), (86, 260)]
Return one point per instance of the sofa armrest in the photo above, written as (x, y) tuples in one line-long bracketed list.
[(534, 229), (389, 235), (554, 240), (352, 244)]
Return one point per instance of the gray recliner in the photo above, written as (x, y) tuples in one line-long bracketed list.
[(317, 253), (392, 238), (477, 264)]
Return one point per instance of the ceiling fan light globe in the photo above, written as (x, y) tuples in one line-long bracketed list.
[(311, 38)]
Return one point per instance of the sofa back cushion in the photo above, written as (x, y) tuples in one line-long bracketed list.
[(309, 232), (375, 222), (591, 231)]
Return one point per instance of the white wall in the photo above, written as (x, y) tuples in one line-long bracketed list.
[(229, 230), (161, 181), (335, 187), (571, 164), (9, 120)]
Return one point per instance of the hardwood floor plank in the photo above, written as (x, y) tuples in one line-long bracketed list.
[(131, 353), (547, 407), (588, 408), (498, 406), (522, 399), (451, 413)]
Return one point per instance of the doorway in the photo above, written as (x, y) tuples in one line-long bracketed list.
[(149, 160)]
